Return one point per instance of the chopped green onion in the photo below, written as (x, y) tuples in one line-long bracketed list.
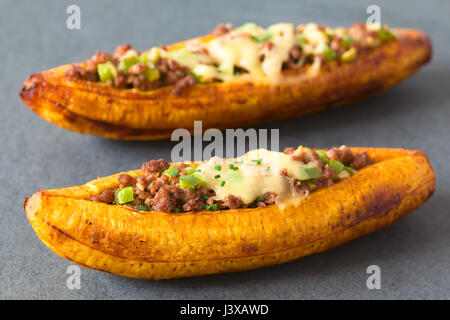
[(260, 199), (328, 53), (307, 172), (266, 37), (143, 208), (222, 183), (177, 210), (232, 167), (106, 71), (336, 165), (217, 176), (218, 167), (210, 208), (124, 195), (188, 182), (258, 161), (205, 197)]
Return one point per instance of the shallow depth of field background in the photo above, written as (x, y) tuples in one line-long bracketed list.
[(413, 254)]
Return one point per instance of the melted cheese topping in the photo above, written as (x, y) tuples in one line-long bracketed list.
[(236, 49), (283, 39), (261, 52), (258, 172), (239, 48)]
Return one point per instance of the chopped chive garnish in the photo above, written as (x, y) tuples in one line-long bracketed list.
[(222, 183), (143, 208), (206, 207), (258, 161), (260, 199), (217, 167), (266, 37), (214, 207), (217, 176), (232, 167), (177, 210), (205, 197)]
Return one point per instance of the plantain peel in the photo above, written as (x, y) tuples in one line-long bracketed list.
[(99, 109), (154, 245)]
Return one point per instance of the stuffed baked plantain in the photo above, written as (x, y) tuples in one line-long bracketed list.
[(264, 208), (233, 77)]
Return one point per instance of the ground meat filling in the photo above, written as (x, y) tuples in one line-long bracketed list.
[(146, 71), (170, 73), (157, 190)]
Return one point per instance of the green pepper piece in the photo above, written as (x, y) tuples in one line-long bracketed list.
[(311, 186), (171, 172), (127, 62), (349, 170), (152, 74), (188, 182), (124, 195), (106, 71), (328, 53), (300, 39), (336, 165), (307, 172), (199, 178), (190, 170), (323, 156), (384, 34), (346, 41)]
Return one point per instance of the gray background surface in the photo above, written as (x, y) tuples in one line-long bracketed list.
[(414, 253)]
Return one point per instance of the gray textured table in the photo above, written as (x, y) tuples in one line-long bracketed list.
[(413, 254)]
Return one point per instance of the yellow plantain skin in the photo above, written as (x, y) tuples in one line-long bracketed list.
[(154, 245), (96, 108)]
